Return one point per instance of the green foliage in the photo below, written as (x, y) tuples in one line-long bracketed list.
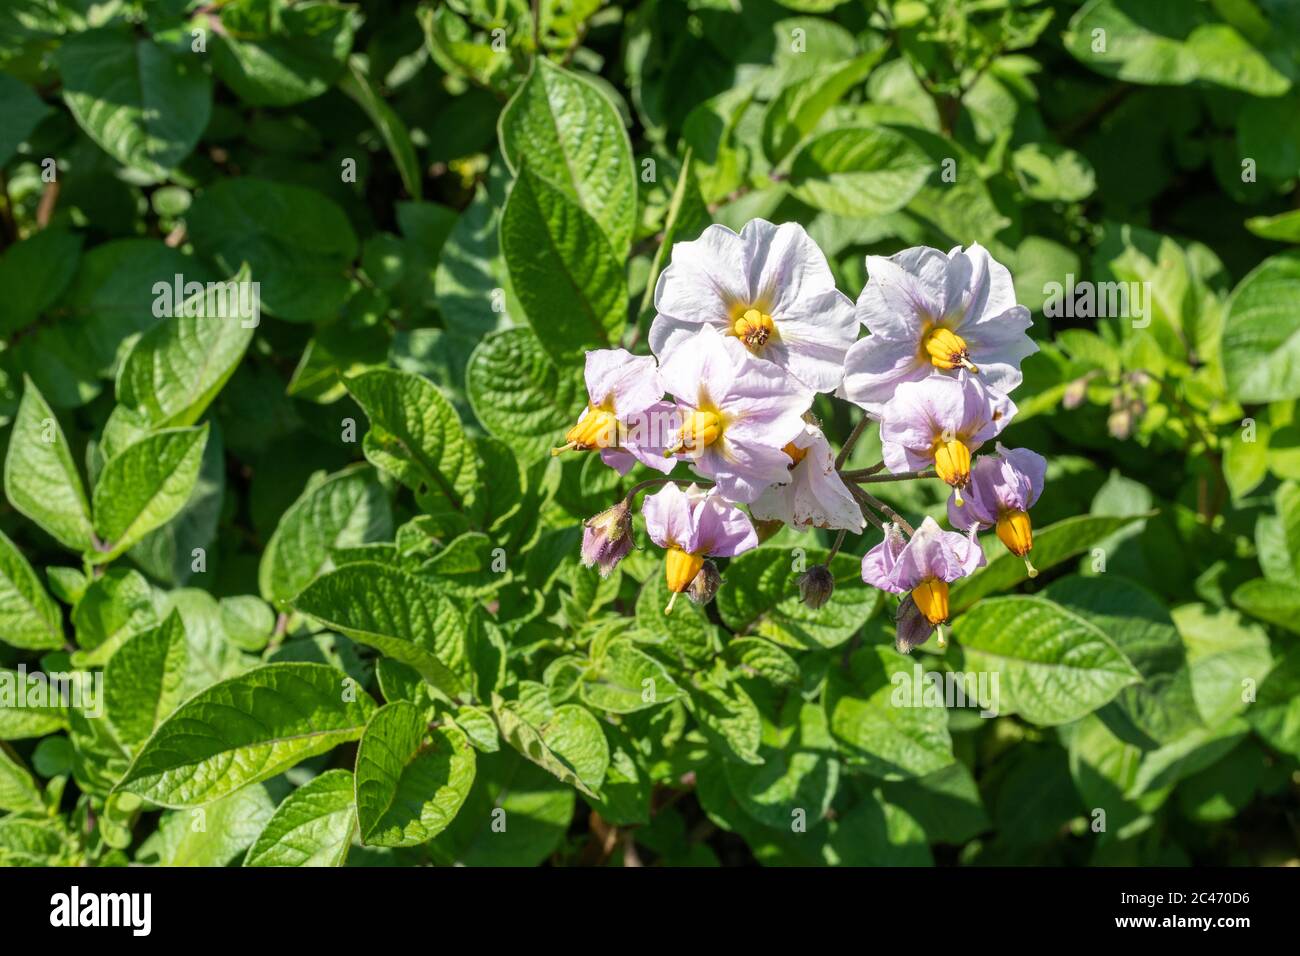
[(314, 548)]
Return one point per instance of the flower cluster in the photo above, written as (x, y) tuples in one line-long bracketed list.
[(748, 330)]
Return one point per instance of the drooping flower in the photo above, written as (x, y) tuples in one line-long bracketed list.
[(607, 538), (812, 495), (923, 566), (625, 418), (691, 525), (737, 413), (770, 288), (1003, 487), (929, 312), (938, 422)]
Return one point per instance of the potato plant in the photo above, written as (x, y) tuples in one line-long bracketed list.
[(655, 433)]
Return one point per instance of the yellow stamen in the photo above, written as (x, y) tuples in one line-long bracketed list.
[(941, 637), (598, 428), (952, 463), (796, 454), (699, 430), (946, 349), (754, 328), (931, 597), (1016, 532), (680, 568)]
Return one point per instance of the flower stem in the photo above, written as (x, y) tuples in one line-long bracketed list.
[(852, 440), (884, 509), (867, 476), (865, 508), (835, 548)]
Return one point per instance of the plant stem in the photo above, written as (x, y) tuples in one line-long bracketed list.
[(867, 477), (835, 548), (885, 510), (858, 429), (866, 509)]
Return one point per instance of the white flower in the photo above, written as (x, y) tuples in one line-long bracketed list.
[(814, 495), (930, 312), (770, 287)]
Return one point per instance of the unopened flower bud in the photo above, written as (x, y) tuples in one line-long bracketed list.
[(705, 583), (1075, 393), (816, 586), (1120, 424), (913, 627), (607, 538)]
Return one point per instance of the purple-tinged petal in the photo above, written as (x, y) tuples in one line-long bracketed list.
[(702, 370), (783, 265), (623, 382), (814, 496), (704, 281), (874, 368), (620, 459), (742, 472), (904, 292), (668, 518), (878, 564), (724, 530), (812, 337)]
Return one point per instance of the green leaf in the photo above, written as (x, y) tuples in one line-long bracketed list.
[(35, 272), (41, 480), (572, 135), (884, 729), (947, 803), (519, 395), (1169, 45), (36, 719), (227, 828), (760, 595), (625, 680), (755, 657), (297, 243), (411, 780), (1053, 544), (1054, 666), (569, 280), (313, 826), (145, 486), (1270, 601), (279, 55), (859, 171), (18, 791), (117, 604), (144, 680), (797, 109), (728, 718), (402, 616), (29, 617), (176, 369), (566, 741), (1261, 333), (346, 509), (1227, 654), (245, 730), (416, 436), (1051, 173), (1275, 715), (21, 111), (143, 103), (357, 84), (1284, 227)]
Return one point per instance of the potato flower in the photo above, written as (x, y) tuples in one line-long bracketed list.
[(736, 413), (694, 524), (938, 422), (625, 418), (922, 566), (769, 288), (1003, 487), (813, 495), (929, 312)]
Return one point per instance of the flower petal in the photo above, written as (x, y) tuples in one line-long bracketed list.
[(630, 381)]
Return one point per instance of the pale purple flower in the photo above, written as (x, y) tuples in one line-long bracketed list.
[(923, 565), (770, 288), (1002, 490), (689, 525), (625, 417), (812, 495), (697, 521), (938, 422), (929, 312), (1006, 482), (737, 413)]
